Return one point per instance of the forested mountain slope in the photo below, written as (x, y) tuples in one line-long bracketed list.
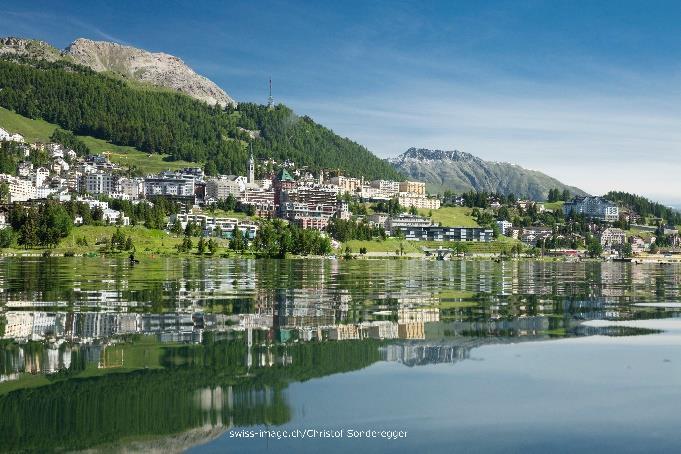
[(88, 103)]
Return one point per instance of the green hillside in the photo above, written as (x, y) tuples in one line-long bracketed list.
[(32, 130), (40, 131), (451, 216), (156, 121)]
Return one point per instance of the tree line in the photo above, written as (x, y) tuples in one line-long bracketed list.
[(44, 225), (645, 207)]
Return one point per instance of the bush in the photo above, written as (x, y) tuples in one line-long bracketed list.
[(6, 237)]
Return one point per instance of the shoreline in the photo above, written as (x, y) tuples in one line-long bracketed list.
[(47, 253)]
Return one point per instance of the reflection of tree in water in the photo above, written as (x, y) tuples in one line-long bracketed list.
[(199, 385)]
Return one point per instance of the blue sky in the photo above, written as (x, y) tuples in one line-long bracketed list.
[(587, 92)]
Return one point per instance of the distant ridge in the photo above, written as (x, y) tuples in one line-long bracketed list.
[(459, 172)]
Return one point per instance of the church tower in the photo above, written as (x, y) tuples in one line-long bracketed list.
[(251, 168)]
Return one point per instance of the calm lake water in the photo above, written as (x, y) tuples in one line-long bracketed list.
[(309, 355)]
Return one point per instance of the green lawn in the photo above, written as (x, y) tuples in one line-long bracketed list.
[(146, 241), (133, 158), (32, 130), (452, 216), (40, 131), (388, 245), (224, 214), (393, 244), (554, 206)]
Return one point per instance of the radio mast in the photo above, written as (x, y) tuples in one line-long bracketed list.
[(270, 99)]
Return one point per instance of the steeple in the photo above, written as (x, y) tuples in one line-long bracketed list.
[(251, 167)]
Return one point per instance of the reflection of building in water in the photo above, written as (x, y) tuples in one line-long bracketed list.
[(34, 325), (415, 314), (522, 326), (411, 330), (254, 321), (446, 351), (34, 358), (19, 325), (365, 330), (381, 330), (420, 354), (303, 307), (343, 332), (90, 326)]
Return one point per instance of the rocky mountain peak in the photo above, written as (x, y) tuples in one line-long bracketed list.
[(33, 48), (458, 171), (156, 68), (427, 155)]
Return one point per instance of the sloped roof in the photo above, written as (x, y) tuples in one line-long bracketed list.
[(283, 175)]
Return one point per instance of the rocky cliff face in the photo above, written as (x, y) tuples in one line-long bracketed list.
[(140, 65), (20, 47), (460, 172)]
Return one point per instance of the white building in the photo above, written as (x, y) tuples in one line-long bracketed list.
[(11, 137), (44, 192), (592, 207), (212, 223), (130, 187), (505, 227), (20, 189), (59, 165), (407, 221), (25, 168), (41, 174), (373, 193), (169, 185), (109, 215), (98, 183)]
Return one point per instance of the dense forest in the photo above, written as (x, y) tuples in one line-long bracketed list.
[(645, 207), (87, 103)]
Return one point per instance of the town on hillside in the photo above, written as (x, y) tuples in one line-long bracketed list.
[(345, 211)]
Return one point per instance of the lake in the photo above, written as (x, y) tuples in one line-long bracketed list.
[(221, 355)]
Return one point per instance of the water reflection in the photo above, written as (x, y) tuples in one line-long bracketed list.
[(194, 347)]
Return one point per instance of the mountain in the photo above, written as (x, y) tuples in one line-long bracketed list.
[(460, 172), (130, 63), (155, 68), (41, 83)]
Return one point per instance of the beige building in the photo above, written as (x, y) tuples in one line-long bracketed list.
[(224, 186), (388, 187), (613, 237), (346, 184), (413, 187), (409, 200)]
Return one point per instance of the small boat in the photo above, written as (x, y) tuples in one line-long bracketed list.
[(621, 259)]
